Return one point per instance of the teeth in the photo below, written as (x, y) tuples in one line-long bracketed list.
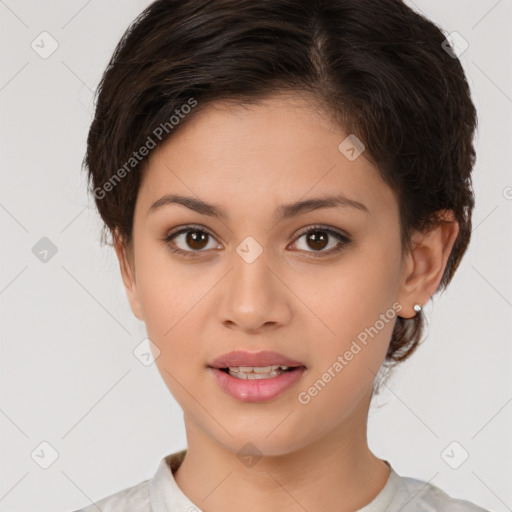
[(254, 376), (256, 372), (257, 369)]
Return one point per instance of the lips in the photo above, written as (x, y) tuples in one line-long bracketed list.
[(244, 358), (259, 390)]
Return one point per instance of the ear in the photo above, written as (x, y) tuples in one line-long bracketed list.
[(424, 265), (127, 267)]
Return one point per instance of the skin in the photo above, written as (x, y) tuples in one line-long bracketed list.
[(249, 161)]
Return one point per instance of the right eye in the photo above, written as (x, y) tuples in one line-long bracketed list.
[(192, 237)]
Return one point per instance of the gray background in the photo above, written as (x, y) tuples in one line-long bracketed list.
[(68, 374)]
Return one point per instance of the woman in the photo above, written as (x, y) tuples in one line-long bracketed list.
[(287, 183)]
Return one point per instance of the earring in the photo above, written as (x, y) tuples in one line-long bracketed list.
[(417, 308)]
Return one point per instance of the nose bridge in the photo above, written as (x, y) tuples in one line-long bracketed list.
[(251, 280), (254, 296)]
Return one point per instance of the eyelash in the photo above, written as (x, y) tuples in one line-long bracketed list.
[(315, 254)]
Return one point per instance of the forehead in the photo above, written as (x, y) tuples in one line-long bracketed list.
[(275, 151)]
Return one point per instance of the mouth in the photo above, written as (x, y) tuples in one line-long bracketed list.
[(242, 361), (255, 376), (257, 384), (258, 372)]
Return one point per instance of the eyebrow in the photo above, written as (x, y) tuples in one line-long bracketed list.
[(282, 212)]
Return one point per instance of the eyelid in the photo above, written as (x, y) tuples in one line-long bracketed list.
[(321, 227), (307, 229), (343, 238), (189, 227)]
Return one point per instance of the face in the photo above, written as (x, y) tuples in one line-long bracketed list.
[(308, 283)]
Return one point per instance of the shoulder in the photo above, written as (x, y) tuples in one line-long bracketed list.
[(417, 495), (132, 499), (149, 494)]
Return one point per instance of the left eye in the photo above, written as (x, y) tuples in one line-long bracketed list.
[(316, 238)]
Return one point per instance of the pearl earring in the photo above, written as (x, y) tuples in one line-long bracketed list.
[(417, 308)]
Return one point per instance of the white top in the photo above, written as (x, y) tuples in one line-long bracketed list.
[(162, 494)]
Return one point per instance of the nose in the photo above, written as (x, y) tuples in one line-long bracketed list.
[(254, 297)]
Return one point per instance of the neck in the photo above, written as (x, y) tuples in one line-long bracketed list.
[(336, 471)]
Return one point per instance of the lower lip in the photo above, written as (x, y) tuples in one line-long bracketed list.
[(256, 390)]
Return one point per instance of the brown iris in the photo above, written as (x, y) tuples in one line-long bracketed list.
[(318, 241), (197, 239)]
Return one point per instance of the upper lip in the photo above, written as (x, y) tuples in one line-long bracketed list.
[(244, 358)]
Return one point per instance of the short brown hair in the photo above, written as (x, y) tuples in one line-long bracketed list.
[(379, 69)]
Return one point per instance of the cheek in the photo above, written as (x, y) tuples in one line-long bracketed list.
[(166, 290), (176, 299), (346, 358), (355, 293), (169, 297), (357, 318)]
